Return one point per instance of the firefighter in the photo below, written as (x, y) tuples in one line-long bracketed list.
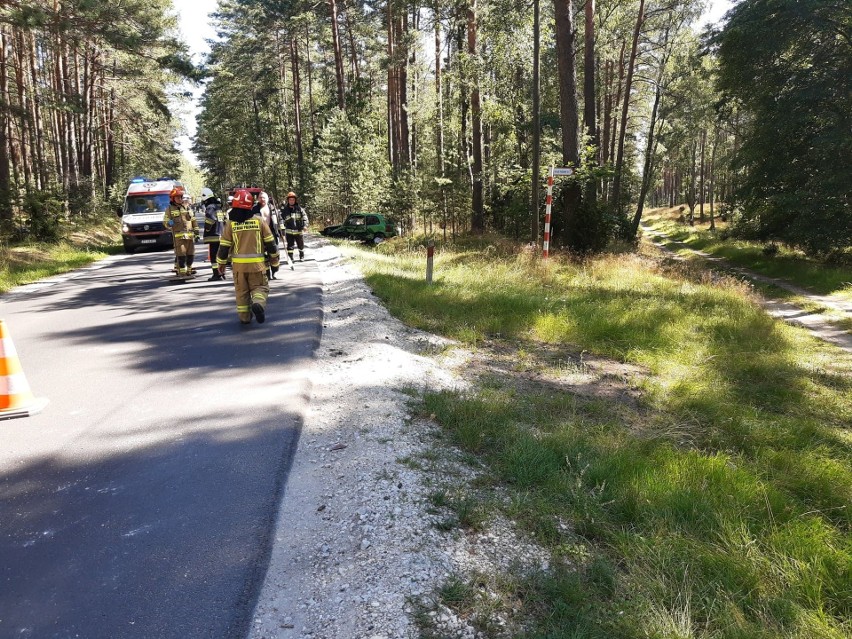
[(250, 242), (214, 223), (295, 223), (180, 220)]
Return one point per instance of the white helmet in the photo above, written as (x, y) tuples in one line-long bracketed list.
[(206, 193)]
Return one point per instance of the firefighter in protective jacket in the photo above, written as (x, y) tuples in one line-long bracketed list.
[(180, 220), (214, 224), (295, 222), (250, 242)]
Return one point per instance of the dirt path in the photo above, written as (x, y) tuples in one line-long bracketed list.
[(820, 326)]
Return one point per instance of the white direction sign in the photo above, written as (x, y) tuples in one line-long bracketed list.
[(565, 171)]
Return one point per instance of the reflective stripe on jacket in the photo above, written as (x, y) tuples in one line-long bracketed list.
[(214, 223), (184, 226), (295, 219), (252, 243)]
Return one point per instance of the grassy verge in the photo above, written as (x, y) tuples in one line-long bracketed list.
[(718, 506), (785, 264), (82, 244)]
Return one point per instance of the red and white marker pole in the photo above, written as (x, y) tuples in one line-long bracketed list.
[(548, 201)]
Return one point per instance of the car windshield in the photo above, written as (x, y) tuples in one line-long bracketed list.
[(147, 203), (355, 220)]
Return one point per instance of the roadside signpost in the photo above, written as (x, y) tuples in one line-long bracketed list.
[(549, 201), (430, 254)]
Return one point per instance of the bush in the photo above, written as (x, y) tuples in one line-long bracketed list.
[(44, 212)]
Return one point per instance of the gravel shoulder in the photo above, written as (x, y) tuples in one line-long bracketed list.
[(363, 546), (353, 547)]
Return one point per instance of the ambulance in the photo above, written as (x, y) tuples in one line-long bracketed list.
[(142, 213)]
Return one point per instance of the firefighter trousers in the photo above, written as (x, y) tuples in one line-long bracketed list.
[(184, 247), (250, 288), (184, 252), (293, 240), (212, 251)]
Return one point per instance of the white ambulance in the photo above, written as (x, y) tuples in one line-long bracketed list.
[(142, 213)]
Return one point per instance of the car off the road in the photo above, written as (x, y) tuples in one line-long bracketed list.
[(367, 227)]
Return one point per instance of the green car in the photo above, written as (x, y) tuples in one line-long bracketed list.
[(368, 227)]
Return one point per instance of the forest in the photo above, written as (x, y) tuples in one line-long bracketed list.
[(446, 115)]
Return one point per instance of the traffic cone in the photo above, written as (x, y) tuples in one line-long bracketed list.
[(16, 398)]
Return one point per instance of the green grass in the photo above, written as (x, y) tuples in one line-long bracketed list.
[(84, 243), (717, 508), (785, 264)]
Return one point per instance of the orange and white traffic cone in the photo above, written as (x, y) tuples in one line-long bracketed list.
[(16, 398)]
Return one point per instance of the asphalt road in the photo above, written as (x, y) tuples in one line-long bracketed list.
[(142, 500)]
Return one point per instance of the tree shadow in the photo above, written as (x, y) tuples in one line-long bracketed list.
[(169, 540)]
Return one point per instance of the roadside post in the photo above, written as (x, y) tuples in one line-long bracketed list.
[(430, 255), (548, 205)]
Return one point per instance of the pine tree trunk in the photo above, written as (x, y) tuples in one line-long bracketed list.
[(536, 123), (24, 126), (650, 152), (412, 65), (478, 217), (607, 117), (692, 173), (439, 109), (614, 136), (701, 184), (402, 88), (41, 163), (68, 119), (713, 178), (314, 138), (569, 110), (297, 98), (93, 105), (77, 119), (589, 97), (464, 150), (284, 111), (393, 145), (5, 176), (353, 51), (619, 160), (56, 123), (109, 141), (338, 56)]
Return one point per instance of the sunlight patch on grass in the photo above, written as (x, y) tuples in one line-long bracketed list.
[(86, 241), (784, 263)]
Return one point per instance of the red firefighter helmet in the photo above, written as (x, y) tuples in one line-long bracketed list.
[(242, 199), (176, 194), (291, 194)]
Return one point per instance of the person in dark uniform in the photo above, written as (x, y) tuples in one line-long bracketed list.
[(214, 224), (295, 222)]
